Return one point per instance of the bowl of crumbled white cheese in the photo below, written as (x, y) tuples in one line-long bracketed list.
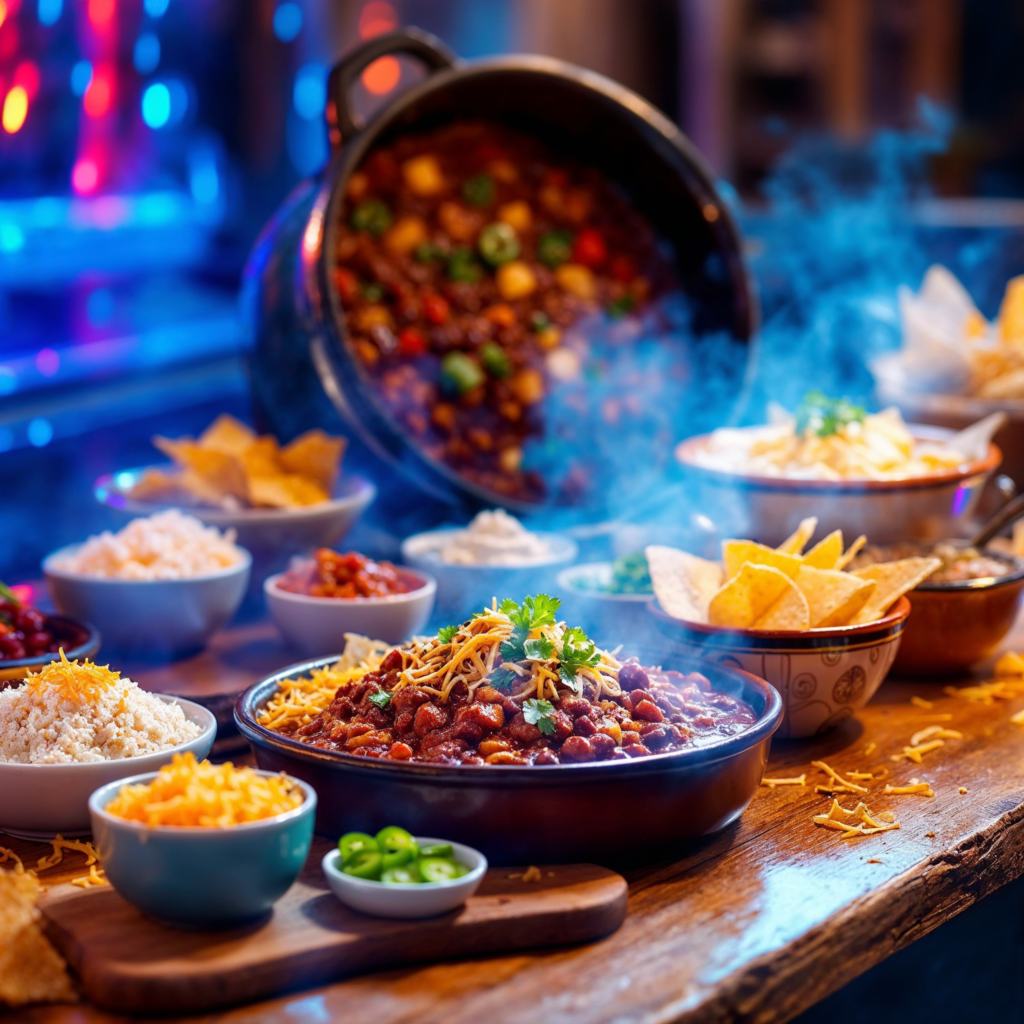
[(494, 556), (161, 586)]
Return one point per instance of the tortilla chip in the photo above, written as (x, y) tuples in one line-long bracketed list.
[(893, 580), (221, 474), (746, 597), (737, 552), (286, 490), (790, 612), (31, 970), (683, 583), (1011, 312), (261, 457), (228, 435), (316, 456), (833, 598), (826, 553), (795, 543), (851, 552)]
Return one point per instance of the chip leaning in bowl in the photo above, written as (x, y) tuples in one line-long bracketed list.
[(826, 439), (229, 466), (515, 686), (761, 588)]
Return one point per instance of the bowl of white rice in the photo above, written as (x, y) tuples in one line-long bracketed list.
[(160, 587), (73, 727)]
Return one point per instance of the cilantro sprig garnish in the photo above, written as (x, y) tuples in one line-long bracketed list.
[(446, 634), (578, 651), (8, 595), (533, 613), (381, 698), (540, 713), (824, 416)]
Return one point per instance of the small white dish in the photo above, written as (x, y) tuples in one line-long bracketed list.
[(426, 899), (37, 801), (316, 626), (463, 590), (150, 617)]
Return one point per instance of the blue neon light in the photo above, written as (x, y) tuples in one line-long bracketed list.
[(81, 76), (156, 8), (50, 11), (146, 54), (287, 21), (12, 238), (309, 93), (40, 432), (156, 105)]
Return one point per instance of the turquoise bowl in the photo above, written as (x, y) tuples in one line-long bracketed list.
[(203, 878)]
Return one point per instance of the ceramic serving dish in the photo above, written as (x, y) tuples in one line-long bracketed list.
[(39, 800), (586, 600), (79, 640), (769, 509), (954, 625), (316, 626), (150, 617), (530, 814), (202, 877), (463, 590), (824, 675), (425, 899), (271, 535)]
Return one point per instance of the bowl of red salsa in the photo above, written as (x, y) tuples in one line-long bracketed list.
[(320, 599)]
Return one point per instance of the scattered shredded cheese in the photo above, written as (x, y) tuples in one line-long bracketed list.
[(914, 753), (1017, 719), (9, 855), (842, 785), (920, 702), (798, 780), (938, 732), (962, 789), (915, 787), (870, 749)]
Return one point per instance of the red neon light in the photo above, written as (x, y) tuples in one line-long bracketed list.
[(101, 12), (382, 75), (27, 76), (98, 96), (376, 18), (85, 176)]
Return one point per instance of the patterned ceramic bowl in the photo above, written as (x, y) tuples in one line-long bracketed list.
[(824, 675)]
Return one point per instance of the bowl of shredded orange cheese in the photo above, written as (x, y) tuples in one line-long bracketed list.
[(199, 845)]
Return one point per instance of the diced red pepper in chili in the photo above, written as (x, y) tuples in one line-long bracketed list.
[(435, 309), (411, 342), (621, 268), (347, 284), (589, 249)]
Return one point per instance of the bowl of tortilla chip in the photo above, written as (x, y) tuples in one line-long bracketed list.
[(281, 500), (824, 636)]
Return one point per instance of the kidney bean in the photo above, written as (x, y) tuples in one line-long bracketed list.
[(577, 748), (428, 718), (648, 712), (633, 677)]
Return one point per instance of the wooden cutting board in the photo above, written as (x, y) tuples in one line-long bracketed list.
[(127, 963)]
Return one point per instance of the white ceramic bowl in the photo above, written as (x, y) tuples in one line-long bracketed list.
[(316, 626), (39, 800), (150, 617), (465, 589), (272, 535), (769, 509), (427, 899), (824, 676)]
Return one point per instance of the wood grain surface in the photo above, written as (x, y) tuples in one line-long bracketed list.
[(126, 962), (757, 923)]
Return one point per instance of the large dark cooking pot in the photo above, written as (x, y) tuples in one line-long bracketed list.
[(303, 373)]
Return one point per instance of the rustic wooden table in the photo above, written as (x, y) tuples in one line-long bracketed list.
[(759, 922)]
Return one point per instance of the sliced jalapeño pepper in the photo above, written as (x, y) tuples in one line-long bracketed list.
[(373, 215), (355, 842), (555, 248), (406, 875), (397, 847), (460, 373), (439, 869), (364, 864), (437, 850)]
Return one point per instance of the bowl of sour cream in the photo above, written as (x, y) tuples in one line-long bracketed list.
[(494, 556)]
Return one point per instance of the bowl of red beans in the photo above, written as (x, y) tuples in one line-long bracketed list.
[(320, 599), (29, 637)]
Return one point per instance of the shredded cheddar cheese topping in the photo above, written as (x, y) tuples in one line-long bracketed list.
[(188, 793), (77, 682)]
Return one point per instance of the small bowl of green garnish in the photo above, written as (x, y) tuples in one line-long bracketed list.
[(603, 593), (395, 874)]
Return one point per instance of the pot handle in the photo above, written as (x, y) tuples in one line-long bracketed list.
[(342, 120)]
